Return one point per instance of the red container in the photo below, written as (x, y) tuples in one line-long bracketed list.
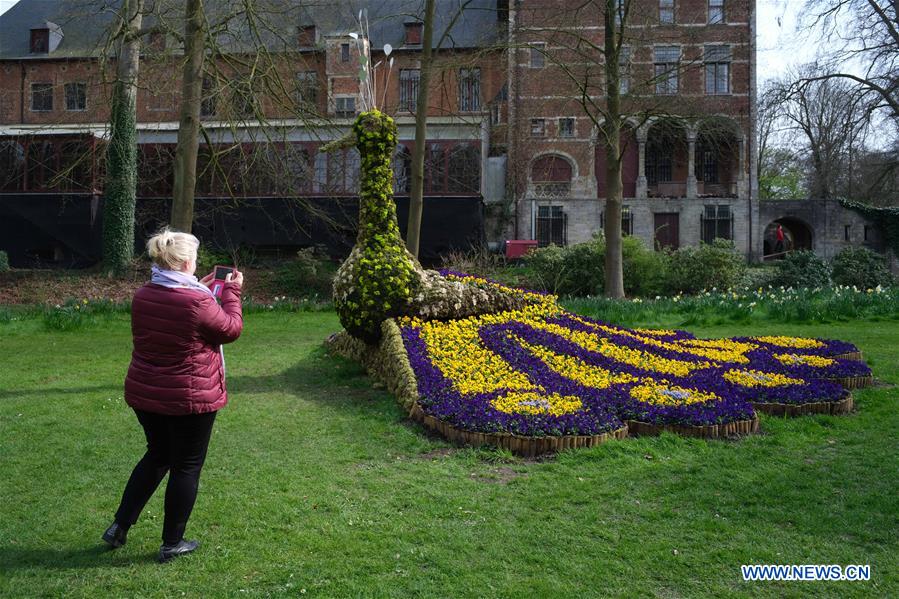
[(516, 248)]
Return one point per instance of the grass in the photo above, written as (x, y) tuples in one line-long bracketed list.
[(316, 482)]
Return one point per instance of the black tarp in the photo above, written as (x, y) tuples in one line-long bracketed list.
[(65, 230)]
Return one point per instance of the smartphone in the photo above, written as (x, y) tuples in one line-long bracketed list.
[(218, 282)]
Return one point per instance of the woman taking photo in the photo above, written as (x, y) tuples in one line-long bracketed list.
[(175, 383)]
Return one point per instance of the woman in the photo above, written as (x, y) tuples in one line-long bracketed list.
[(175, 383)]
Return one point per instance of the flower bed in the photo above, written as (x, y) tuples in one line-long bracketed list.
[(541, 371)]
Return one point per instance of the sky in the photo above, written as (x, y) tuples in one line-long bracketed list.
[(778, 44)]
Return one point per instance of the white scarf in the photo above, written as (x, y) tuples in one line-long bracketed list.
[(175, 279)]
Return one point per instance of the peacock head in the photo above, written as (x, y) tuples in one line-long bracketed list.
[(375, 129)]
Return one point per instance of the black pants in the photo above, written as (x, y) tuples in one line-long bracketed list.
[(175, 445)]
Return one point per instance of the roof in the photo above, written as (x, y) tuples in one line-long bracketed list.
[(85, 23)]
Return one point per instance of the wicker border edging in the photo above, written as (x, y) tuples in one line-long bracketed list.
[(854, 382), (842, 406), (709, 431), (517, 444), (852, 355)]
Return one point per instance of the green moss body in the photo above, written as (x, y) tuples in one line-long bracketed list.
[(379, 278)]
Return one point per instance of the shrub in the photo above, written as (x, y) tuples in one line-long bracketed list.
[(549, 270), (208, 258), (645, 271), (4, 261), (758, 276), (802, 269), (860, 267), (310, 275), (715, 265), (579, 269)]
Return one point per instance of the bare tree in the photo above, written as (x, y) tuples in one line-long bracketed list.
[(828, 114), (862, 32)]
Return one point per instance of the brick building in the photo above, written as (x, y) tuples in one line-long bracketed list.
[(688, 79), (514, 124), (261, 178)]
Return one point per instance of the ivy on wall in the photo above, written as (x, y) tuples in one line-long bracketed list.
[(886, 218)]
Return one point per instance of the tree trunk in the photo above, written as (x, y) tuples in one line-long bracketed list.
[(614, 271), (189, 125), (416, 193), (121, 174)]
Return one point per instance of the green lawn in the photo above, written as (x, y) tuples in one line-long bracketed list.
[(315, 481)]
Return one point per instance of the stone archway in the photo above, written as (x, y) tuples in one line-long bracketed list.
[(798, 235), (666, 163)]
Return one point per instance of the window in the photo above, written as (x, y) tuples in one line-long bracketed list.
[(41, 163), (551, 176), (717, 69), (413, 34), (707, 166), (345, 106), (624, 70), (41, 97), (717, 222), (847, 232), (666, 11), (402, 170), (867, 233), (76, 96), (552, 225), (658, 164), (307, 89), (538, 127), (464, 169), (619, 12), (716, 11), (435, 168), (344, 52), (627, 220), (496, 113), (566, 127), (40, 41), (409, 89), (306, 36), (469, 90), (538, 59), (12, 165), (208, 103), (156, 41), (343, 171), (665, 65)]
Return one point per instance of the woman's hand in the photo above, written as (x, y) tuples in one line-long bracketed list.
[(207, 280), (235, 277)]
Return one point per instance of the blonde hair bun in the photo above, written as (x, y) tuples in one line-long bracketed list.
[(171, 249)]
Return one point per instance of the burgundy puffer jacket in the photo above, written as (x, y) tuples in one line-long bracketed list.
[(176, 367)]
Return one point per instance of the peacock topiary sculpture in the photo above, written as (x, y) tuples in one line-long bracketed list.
[(380, 279)]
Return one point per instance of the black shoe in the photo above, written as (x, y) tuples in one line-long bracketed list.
[(115, 535), (182, 547)]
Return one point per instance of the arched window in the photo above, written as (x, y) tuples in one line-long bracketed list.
[(464, 169), (551, 175)]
